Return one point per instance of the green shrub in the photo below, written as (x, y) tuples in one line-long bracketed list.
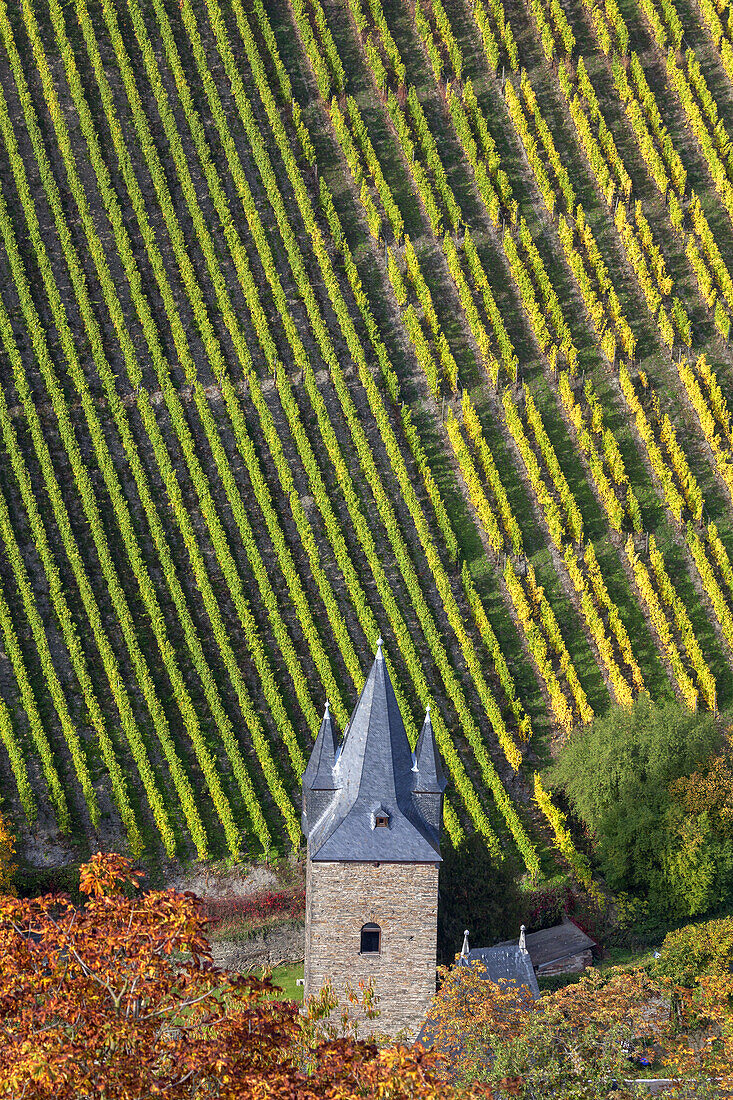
[(657, 802), (695, 950)]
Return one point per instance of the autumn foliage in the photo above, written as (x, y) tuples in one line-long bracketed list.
[(7, 863), (603, 1028), (119, 998), (262, 906), (569, 1043)]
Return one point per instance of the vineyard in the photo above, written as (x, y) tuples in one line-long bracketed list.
[(322, 320)]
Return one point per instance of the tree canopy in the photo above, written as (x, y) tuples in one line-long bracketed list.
[(118, 998), (476, 892), (696, 951), (653, 785), (575, 1042)]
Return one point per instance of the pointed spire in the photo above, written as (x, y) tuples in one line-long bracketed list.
[(522, 941), (318, 775), (376, 754), (428, 767), (465, 949), (372, 772)]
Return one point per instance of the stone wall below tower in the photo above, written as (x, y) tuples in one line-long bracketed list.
[(402, 898)]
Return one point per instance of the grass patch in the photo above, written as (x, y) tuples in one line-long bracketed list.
[(287, 977), (625, 956)]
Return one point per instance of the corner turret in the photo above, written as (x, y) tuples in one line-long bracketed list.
[(428, 782), (372, 812), (318, 779)]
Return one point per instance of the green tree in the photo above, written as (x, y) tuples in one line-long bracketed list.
[(631, 778), (476, 892), (696, 950)]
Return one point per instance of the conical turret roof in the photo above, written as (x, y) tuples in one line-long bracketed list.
[(318, 775), (373, 776), (375, 753), (428, 769)]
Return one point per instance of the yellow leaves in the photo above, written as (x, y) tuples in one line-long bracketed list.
[(105, 872), (470, 475), (538, 635), (663, 627), (563, 840), (129, 1021)]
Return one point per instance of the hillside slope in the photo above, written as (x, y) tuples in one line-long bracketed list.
[(326, 321)]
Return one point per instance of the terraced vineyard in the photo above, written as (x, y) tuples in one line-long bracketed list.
[(326, 319)]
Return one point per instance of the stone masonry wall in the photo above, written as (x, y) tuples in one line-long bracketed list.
[(573, 964), (402, 898)]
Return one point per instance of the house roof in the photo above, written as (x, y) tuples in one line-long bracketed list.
[(373, 770), (551, 945), (505, 965)]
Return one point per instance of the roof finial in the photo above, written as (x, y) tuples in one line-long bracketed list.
[(522, 940), (427, 712), (380, 643), (465, 949), (328, 707)]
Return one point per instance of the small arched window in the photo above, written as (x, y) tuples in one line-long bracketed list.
[(371, 939)]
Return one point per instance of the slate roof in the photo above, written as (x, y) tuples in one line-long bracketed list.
[(373, 771), (505, 965), (427, 764), (551, 945), (318, 774)]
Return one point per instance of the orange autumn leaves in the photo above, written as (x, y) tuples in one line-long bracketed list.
[(118, 998), (7, 863)]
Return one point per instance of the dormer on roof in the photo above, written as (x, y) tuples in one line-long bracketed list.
[(380, 817), (374, 768)]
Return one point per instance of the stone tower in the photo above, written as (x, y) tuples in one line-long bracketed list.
[(372, 813)]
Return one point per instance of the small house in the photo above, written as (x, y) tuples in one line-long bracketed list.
[(562, 949)]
